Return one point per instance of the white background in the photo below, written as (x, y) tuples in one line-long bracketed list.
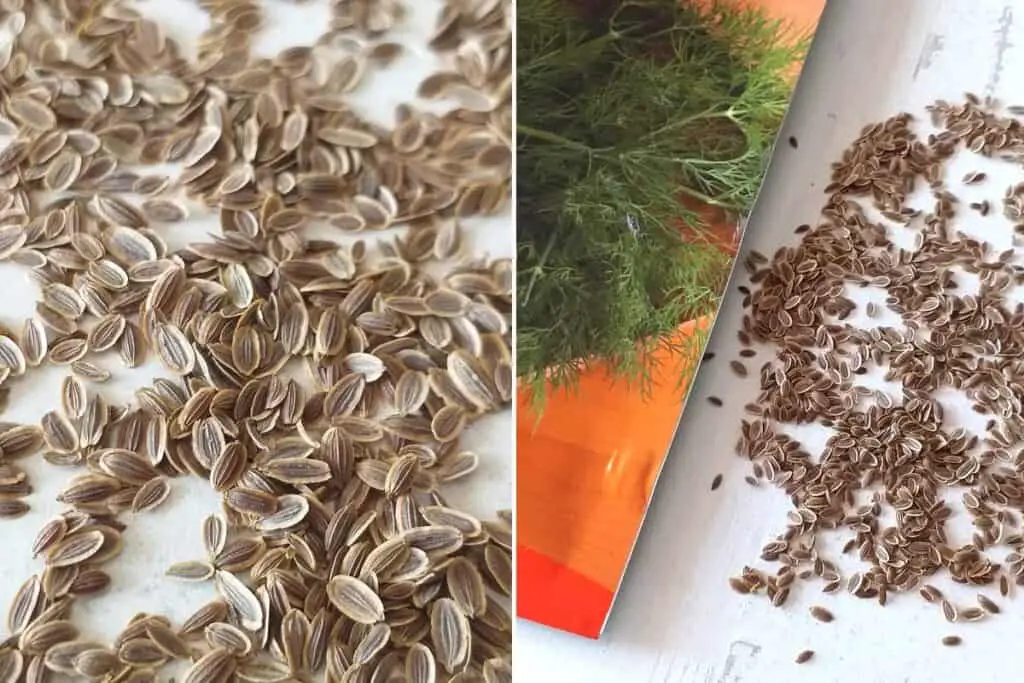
[(170, 534), (675, 619)]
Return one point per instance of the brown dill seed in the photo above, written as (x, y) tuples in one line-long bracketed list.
[(715, 401), (987, 604), (708, 355), (798, 311), (268, 147), (740, 585), (952, 641), (747, 353), (793, 142), (716, 482), (750, 480), (804, 656), (821, 614), (738, 368)]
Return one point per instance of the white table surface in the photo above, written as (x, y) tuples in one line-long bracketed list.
[(171, 533), (675, 619)]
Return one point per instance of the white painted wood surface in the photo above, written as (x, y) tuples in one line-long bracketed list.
[(676, 620), (153, 541)]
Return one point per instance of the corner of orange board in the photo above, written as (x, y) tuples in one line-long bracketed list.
[(585, 472)]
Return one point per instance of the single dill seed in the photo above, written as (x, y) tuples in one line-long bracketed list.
[(716, 482), (949, 611), (804, 656), (793, 142), (738, 368), (952, 641), (740, 585), (714, 400), (821, 614), (987, 604)]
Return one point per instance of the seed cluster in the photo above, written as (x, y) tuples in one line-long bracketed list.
[(336, 553), (893, 455)]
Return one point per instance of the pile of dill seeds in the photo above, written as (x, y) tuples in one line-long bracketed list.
[(882, 481), (320, 388)]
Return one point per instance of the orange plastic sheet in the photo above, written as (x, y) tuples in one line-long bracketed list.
[(585, 473), (586, 470)]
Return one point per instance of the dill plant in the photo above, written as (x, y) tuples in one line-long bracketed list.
[(624, 110)]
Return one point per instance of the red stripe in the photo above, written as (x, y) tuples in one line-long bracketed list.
[(554, 595)]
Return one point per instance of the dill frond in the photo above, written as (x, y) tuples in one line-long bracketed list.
[(623, 112)]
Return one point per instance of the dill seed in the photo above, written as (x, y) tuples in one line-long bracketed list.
[(715, 401), (987, 604), (877, 463), (333, 485), (708, 355), (804, 656), (793, 142), (821, 614), (750, 480), (738, 368), (716, 482), (952, 641), (747, 353)]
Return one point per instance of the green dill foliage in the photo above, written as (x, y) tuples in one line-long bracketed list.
[(623, 111)]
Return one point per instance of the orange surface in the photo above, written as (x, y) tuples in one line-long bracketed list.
[(801, 14), (585, 471), (550, 585)]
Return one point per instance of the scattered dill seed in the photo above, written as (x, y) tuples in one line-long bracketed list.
[(987, 604), (821, 614), (738, 368), (952, 641), (747, 353), (740, 585), (949, 611), (802, 228), (716, 482), (750, 480), (793, 142), (804, 656), (708, 355), (715, 401)]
